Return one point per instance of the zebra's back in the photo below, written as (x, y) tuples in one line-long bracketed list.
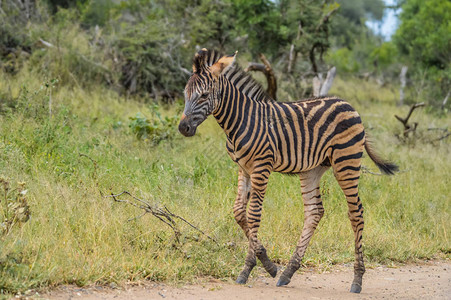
[(311, 132)]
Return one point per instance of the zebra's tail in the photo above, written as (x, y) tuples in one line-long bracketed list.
[(386, 167)]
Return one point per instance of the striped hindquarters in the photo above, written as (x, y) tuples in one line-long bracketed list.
[(312, 131)]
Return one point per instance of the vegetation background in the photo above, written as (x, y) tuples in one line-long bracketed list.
[(90, 98)]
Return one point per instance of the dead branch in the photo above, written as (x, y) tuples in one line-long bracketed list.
[(293, 54), (445, 131), (442, 138), (366, 170), (326, 17), (327, 84), (409, 127), (321, 87), (162, 213), (445, 100), (266, 69), (402, 78)]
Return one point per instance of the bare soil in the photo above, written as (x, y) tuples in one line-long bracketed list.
[(430, 280)]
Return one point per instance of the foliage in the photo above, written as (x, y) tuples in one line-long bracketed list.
[(349, 23), (150, 58), (423, 39), (157, 129)]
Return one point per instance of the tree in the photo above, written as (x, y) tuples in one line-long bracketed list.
[(424, 39), (424, 34)]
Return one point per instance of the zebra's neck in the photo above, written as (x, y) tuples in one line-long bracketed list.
[(237, 111)]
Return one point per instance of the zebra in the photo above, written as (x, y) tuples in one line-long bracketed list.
[(304, 138)]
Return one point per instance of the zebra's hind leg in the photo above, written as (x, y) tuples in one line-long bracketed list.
[(347, 173), (239, 211), (313, 212)]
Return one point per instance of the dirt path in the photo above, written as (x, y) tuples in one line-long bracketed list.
[(422, 281)]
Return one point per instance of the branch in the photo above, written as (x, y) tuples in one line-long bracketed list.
[(162, 213), (402, 78), (266, 69), (325, 19), (445, 100), (366, 170), (45, 43), (407, 127), (328, 82)]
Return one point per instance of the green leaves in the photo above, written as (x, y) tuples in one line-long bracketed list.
[(424, 39), (156, 129)]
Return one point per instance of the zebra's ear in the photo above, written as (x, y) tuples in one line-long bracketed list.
[(223, 64)]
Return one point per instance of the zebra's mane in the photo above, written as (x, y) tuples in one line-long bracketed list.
[(244, 82), (237, 76)]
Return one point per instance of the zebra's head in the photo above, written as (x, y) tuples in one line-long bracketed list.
[(202, 92)]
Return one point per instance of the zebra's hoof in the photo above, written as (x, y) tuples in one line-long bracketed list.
[(241, 279), (356, 288), (272, 271), (283, 280)]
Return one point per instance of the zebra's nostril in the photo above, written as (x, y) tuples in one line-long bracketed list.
[(187, 128)]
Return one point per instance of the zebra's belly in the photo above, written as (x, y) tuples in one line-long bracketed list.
[(295, 162)]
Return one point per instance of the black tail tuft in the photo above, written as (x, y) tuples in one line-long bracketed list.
[(386, 167)]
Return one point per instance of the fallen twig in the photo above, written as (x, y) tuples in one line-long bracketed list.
[(366, 170), (162, 213)]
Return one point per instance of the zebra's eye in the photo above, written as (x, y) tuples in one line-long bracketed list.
[(203, 97)]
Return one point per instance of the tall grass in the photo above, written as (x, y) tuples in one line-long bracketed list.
[(76, 236)]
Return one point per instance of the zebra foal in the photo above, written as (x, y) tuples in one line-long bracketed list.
[(306, 138)]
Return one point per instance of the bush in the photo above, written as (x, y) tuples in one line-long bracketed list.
[(155, 130)]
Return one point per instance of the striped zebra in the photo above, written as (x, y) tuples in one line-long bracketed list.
[(263, 136)]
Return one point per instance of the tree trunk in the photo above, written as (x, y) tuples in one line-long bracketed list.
[(321, 87), (402, 78), (445, 100)]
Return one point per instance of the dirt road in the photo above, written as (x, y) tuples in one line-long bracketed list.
[(421, 281)]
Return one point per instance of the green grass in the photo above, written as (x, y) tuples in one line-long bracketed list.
[(76, 236)]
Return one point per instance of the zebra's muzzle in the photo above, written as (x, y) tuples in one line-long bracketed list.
[(187, 128)]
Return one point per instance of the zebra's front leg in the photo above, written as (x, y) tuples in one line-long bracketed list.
[(252, 188), (313, 212)]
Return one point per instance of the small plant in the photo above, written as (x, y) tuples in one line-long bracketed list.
[(157, 129), (14, 206), (38, 103)]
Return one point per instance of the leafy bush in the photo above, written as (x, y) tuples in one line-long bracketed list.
[(344, 60), (155, 130), (423, 39)]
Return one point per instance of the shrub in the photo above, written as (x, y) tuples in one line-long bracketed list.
[(156, 129)]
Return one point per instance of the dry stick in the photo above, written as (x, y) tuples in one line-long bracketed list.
[(407, 127), (164, 214), (327, 84), (292, 54), (445, 100), (367, 170), (402, 78)]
